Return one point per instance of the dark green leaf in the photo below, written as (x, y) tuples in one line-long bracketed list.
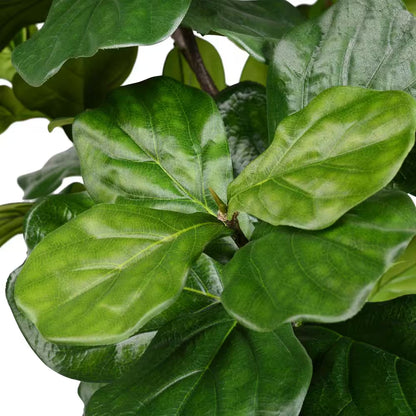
[(11, 220), (50, 177), (288, 274), (80, 29), (254, 71), (204, 364), (253, 25), (177, 67), (222, 249), (365, 366), (347, 144), (12, 110), (81, 83), (411, 5), (110, 261), (52, 212), (166, 156), (405, 179), (243, 110), (359, 43)]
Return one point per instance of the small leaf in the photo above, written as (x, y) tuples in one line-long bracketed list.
[(286, 274), (178, 68), (108, 24), (365, 366), (243, 110), (110, 261), (254, 71), (11, 220), (205, 364), (347, 144), (50, 177), (167, 156)]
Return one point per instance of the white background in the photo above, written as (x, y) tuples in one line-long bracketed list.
[(27, 386)]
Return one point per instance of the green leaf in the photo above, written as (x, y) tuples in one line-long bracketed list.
[(107, 24), (16, 14), (253, 25), (287, 274), (177, 67), (12, 110), (411, 5), (110, 261), (400, 279), (243, 110), (254, 71), (365, 366), (11, 220), (205, 364), (358, 43), (347, 144), (44, 181), (158, 142), (405, 179), (6, 68), (80, 84), (52, 212), (222, 249)]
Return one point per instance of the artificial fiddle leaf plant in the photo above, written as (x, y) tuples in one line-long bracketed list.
[(233, 250)]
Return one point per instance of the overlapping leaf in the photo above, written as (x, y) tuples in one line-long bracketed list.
[(205, 364), (347, 144), (11, 220), (158, 142), (80, 28), (254, 71), (323, 276)]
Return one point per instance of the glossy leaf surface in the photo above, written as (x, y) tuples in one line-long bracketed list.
[(253, 25), (178, 68), (80, 84), (46, 180), (166, 156), (76, 29), (358, 43), (347, 144), (243, 110), (254, 71), (111, 260), (204, 364), (286, 274), (400, 279), (365, 366), (11, 220)]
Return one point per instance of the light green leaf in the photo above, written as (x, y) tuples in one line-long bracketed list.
[(347, 144), (80, 84), (80, 29), (158, 142), (205, 364), (6, 68), (358, 43), (243, 110), (288, 274), (11, 220), (177, 67), (400, 279), (44, 181), (12, 110), (254, 71), (253, 25), (110, 261), (365, 366)]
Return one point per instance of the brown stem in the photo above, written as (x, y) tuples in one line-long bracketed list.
[(239, 237), (185, 41)]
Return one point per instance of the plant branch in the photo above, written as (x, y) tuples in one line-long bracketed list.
[(185, 41)]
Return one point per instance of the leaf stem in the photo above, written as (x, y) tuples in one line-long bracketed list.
[(185, 41)]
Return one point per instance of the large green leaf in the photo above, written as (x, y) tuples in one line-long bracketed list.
[(177, 67), (347, 144), (365, 366), (359, 43), (44, 181), (110, 261), (288, 274), (243, 110), (11, 220), (16, 14), (253, 25), (81, 83), (205, 364), (159, 142), (254, 71), (12, 110), (81, 28)]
